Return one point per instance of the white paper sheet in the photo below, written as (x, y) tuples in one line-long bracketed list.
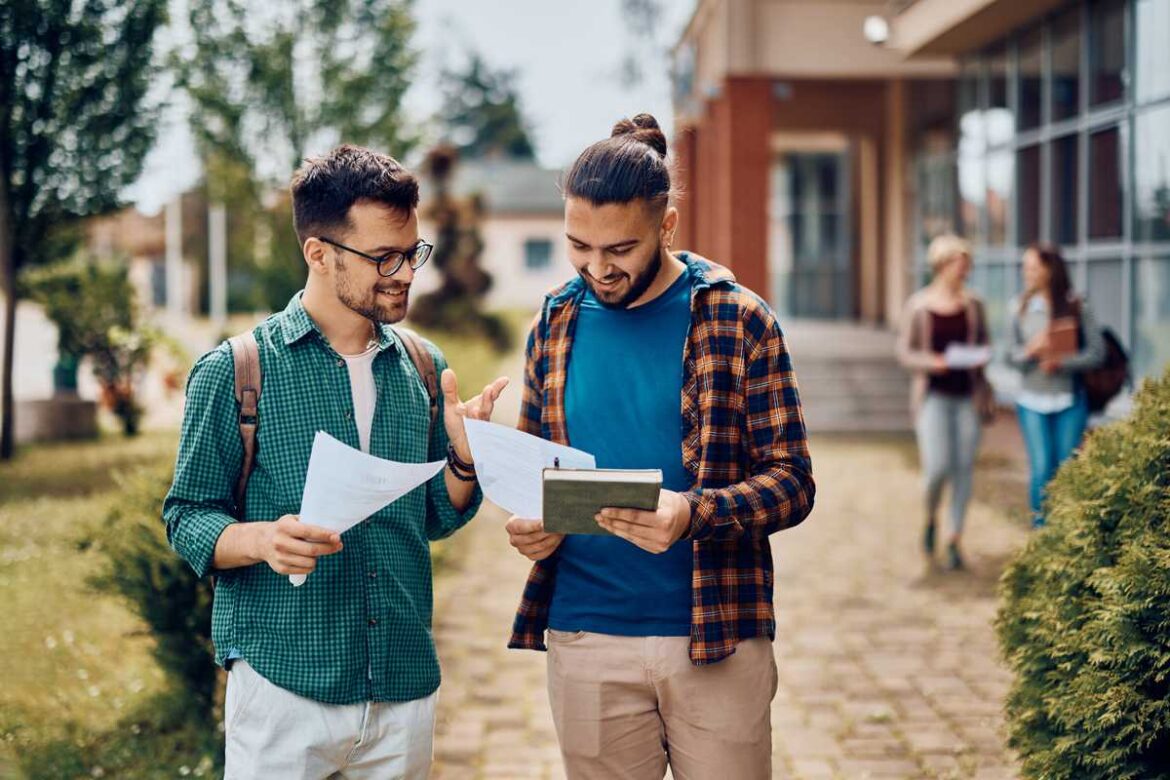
[(961, 356), (344, 486), (509, 464)]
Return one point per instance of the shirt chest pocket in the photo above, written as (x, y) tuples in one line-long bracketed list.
[(402, 422)]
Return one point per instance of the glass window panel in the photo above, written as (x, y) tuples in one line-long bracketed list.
[(977, 279), (1030, 74), (1028, 195), (1151, 52), (1000, 178), (972, 193), (1106, 294), (830, 239), (1001, 125), (1012, 281), (537, 254), (972, 136), (1151, 315), (1066, 64), (1064, 190), (972, 143), (936, 195), (996, 297), (826, 172), (1152, 175), (1105, 195), (1106, 51)]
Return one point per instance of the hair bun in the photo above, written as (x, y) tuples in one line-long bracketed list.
[(644, 128)]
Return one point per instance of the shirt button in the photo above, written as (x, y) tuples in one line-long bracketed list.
[(373, 575), (349, 415), (340, 362), (373, 622)]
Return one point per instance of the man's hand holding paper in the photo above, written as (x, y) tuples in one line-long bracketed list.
[(292, 547), (344, 486)]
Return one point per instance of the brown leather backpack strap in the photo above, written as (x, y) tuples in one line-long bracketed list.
[(424, 363), (246, 356)]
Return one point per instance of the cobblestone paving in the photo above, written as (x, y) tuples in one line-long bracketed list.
[(888, 666)]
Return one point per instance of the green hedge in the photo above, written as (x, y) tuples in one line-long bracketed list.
[(1085, 618), (160, 587)]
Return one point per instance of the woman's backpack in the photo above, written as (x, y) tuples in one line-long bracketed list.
[(1103, 383)]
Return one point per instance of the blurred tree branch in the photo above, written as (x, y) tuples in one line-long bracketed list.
[(269, 83), (481, 112)]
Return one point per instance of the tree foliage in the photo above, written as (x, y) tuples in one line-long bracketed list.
[(76, 123)]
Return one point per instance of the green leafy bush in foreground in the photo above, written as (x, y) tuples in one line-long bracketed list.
[(1085, 618)]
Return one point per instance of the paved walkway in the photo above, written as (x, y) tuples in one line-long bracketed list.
[(888, 668)]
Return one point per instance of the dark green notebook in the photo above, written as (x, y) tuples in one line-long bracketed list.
[(573, 496)]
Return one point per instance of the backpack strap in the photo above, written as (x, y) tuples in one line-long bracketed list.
[(246, 356), (424, 363)]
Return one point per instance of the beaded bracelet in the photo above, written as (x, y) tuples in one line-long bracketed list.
[(458, 465)]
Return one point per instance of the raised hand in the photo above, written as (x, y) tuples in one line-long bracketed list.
[(455, 411)]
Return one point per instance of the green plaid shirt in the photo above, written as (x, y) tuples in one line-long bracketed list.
[(360, 628)]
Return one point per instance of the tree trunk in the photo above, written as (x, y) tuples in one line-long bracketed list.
[(8, 289)]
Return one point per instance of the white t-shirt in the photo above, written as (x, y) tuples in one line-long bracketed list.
[(365, 392)]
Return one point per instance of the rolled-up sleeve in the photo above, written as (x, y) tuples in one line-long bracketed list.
[(200, 503), (779, 491)]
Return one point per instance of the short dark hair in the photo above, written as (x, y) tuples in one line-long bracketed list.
[(325, 188), (630, 164)]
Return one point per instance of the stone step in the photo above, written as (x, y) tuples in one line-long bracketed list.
[(858, 424), (852, 407), (860, 383), (849, 378)]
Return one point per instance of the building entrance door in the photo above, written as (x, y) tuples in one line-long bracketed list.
[(809, 242)]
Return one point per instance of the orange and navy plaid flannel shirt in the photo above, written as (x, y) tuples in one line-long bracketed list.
[(744, 443)]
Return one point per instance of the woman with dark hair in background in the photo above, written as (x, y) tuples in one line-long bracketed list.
[(1054, 339)]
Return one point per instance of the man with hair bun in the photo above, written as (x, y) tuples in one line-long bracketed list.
[(659, 633)]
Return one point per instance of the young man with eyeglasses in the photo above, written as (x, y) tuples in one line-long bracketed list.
[(337, 677)]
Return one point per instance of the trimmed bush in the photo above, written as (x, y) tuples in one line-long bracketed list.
[(159, 586), (1085, 617)]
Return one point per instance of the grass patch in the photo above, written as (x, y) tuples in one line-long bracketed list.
[(79, 661)]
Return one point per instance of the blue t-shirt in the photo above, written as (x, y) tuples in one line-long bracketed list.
[(622, 403)]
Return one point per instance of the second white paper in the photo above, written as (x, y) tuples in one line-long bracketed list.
[(510, 465)]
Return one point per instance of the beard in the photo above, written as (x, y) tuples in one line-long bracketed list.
[(630, 288), (373, 303)]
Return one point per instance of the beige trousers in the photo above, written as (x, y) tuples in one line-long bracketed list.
[(626, 706), (274, 733)]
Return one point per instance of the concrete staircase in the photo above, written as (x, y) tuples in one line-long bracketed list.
[(849, 379)]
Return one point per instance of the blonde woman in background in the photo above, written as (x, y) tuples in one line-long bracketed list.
[(947, 401)]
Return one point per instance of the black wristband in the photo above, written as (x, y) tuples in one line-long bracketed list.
[(463, 471)]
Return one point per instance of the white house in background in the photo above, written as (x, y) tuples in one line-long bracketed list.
[(522, 229)]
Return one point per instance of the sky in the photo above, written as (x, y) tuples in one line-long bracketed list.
[(567, 53)]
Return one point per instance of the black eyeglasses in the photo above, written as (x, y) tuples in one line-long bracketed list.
[(389, 263)]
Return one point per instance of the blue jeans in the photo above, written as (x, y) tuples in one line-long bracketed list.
[(1050, 440)]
